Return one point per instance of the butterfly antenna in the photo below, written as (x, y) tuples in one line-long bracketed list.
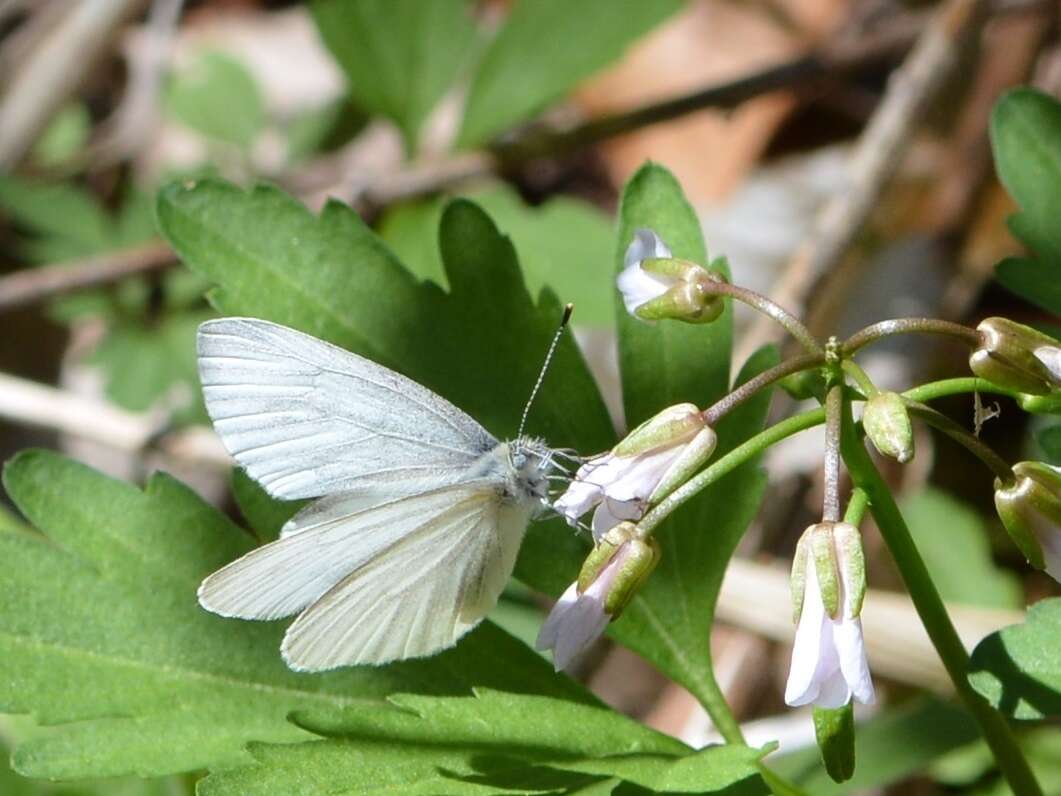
[(568, 309)]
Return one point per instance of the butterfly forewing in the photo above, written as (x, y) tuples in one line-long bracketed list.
[(305, 418)]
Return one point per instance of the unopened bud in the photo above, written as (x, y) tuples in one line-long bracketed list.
[(628, 560), (1017, 356), (887, 424), (1041, 404), (804, 385), (1030, 510), (687, 298), (678, 423)]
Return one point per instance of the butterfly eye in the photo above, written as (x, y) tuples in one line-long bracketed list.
[(519, 460)]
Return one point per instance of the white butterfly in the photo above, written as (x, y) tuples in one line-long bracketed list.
[(420, 514)]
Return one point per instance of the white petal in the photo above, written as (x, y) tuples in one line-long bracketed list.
[(814, 674), (579, 498), (611, 512), (641, 474), (639, 287), (646, 245), (551, 625), (852, 653), (582, 624)]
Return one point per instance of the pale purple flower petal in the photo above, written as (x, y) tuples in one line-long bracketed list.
[(579, 498), (646, 245), (828, 657), (578, 620), (1050, 541), (1051, 357)]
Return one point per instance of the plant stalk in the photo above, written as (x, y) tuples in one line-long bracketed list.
[(759, 302), (931, 609), (879, 331)]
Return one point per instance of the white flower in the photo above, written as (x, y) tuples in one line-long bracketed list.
[(637, 285), (609, 579), (829, 657), (621, 482)]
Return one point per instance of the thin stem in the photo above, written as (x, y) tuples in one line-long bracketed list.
[(932, 611), (744, 452), (958, 386), (862, 379), (833, 409), (879, 331), (856, 507), (730, 401), (960, 435), (759, 302)]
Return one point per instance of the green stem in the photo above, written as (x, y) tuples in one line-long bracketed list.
[(958, 386), (862, 379), (717, 287), (744, 452), (931, 609), (856, 507), (879, 331)]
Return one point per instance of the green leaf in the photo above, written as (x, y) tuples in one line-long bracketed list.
[(889, 747), (663, 364), (143, 364), (952, 538), (399, 56), (264, 514), (834, 730), (544, 50), (217, 97), (12, 784), (1049, 440), (66, 222), (565, 244), (107, 598), (1018, 669), (498, 741), (480, 345), (1026, 140), (64, 136)]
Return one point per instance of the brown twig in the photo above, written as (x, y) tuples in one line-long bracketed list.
[(33, 404), (872, 163), (54, 70), (35, 284)]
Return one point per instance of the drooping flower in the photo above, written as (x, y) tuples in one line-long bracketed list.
[(656, 285), (610, 576), (829, 665), (1030, 508), (1017, 356), (653, 459)]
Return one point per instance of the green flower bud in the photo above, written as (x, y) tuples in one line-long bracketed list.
[(626, 560), (1030, 510), (1041, 404), (887, 424), (675, 424), (1017, 356), (834, 549), (805, 384), (686, 299)]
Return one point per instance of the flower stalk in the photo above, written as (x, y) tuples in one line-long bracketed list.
[(878, 331), (931, 610)]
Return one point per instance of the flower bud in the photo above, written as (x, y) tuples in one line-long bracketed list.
[(887, 424), (610, 577), (828, 584), (804, 385), (1017, 356), (656, 286), (1030, 510), (632, 558), (1041, 404)]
